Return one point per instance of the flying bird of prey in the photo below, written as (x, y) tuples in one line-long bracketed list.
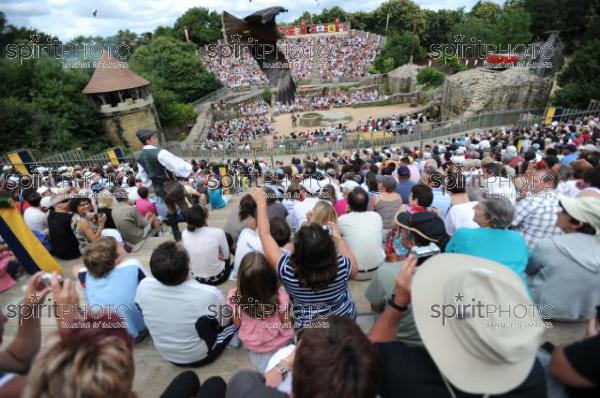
[(261, 34), (94, 12)]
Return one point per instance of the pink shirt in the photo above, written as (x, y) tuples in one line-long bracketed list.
[(144, 206), (263, 335), (340, 207)]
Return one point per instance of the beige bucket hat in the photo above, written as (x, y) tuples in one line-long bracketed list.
[(456, 301)]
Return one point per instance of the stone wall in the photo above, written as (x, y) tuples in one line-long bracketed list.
[(403, 79), (482, 90), (131, 122)]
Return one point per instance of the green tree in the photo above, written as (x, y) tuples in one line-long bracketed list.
[(579, 81), (330, 14), (177, 66), (487, 11), (472, 30), (177, 75), (430, 77), (267, 94), (513, 27), (204, 27), (438, 25), (403, 13), (364, 21), (399, 47), (163, 31), (43, 108)]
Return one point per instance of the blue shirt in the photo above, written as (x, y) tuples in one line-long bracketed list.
[(441, 201), (117, 289), (501, 245), (216, 198), (570, 158), (403, 189)]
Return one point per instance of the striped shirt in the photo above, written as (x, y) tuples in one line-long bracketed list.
[(308, 304)]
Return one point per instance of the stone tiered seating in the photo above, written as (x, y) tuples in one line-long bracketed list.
[(153, 373)]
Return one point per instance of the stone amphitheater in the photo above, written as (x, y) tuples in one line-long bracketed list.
[(153, 373)]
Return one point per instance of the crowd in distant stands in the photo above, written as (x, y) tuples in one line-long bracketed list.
[(239, 129), (506, 218), (322, 102), (392, 124), (334, 56), (349, 56), (255, 108)]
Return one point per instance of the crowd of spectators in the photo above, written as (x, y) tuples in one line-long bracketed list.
[(333, 56), (335, 99), (241, 129), (507, 217)]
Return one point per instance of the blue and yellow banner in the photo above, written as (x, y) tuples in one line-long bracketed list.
[(21, 161), (26, 247), (116, 156)]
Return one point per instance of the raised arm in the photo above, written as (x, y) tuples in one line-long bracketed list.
[(20, 353), (271, 249), (343, 248)]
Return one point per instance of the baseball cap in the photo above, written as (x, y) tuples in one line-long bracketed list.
[(481, 351)]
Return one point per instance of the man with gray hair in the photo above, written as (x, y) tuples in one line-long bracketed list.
[(493, 240)]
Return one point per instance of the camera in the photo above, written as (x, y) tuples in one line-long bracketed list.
[(47, 279), (422, 252)]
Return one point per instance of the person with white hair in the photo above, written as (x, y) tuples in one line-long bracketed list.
[(493, 240)]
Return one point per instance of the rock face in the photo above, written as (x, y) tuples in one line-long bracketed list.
[(403, 79), (482, 90)]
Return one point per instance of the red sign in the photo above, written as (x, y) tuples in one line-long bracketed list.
[(303, 29)]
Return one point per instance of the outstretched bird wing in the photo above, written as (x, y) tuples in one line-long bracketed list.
[(260, 34)]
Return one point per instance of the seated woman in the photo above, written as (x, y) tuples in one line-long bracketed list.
[(86, 225), (216, 198), (322, 213), (493, 240), (317, 273), (207, 247), (564, 270), (60, 234), (110, 281), (387, 203)]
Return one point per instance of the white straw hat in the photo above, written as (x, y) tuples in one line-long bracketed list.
[(480, 352)]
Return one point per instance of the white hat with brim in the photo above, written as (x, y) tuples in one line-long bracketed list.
[(478, 355)]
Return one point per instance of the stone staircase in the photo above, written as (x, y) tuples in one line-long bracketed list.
[(203, 124)]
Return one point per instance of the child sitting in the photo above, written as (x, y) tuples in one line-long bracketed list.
[(260, 309), (111, 282)]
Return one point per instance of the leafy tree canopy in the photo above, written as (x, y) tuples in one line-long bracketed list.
[(203, 26), (580, 79)]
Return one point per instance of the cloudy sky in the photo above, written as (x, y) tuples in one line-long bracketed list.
[(69, 18)]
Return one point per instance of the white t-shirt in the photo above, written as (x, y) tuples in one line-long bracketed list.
[(36, 219), (301, 209), (248, 242), (363, 233), (171, 312), (461, 216), (207, 248)]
